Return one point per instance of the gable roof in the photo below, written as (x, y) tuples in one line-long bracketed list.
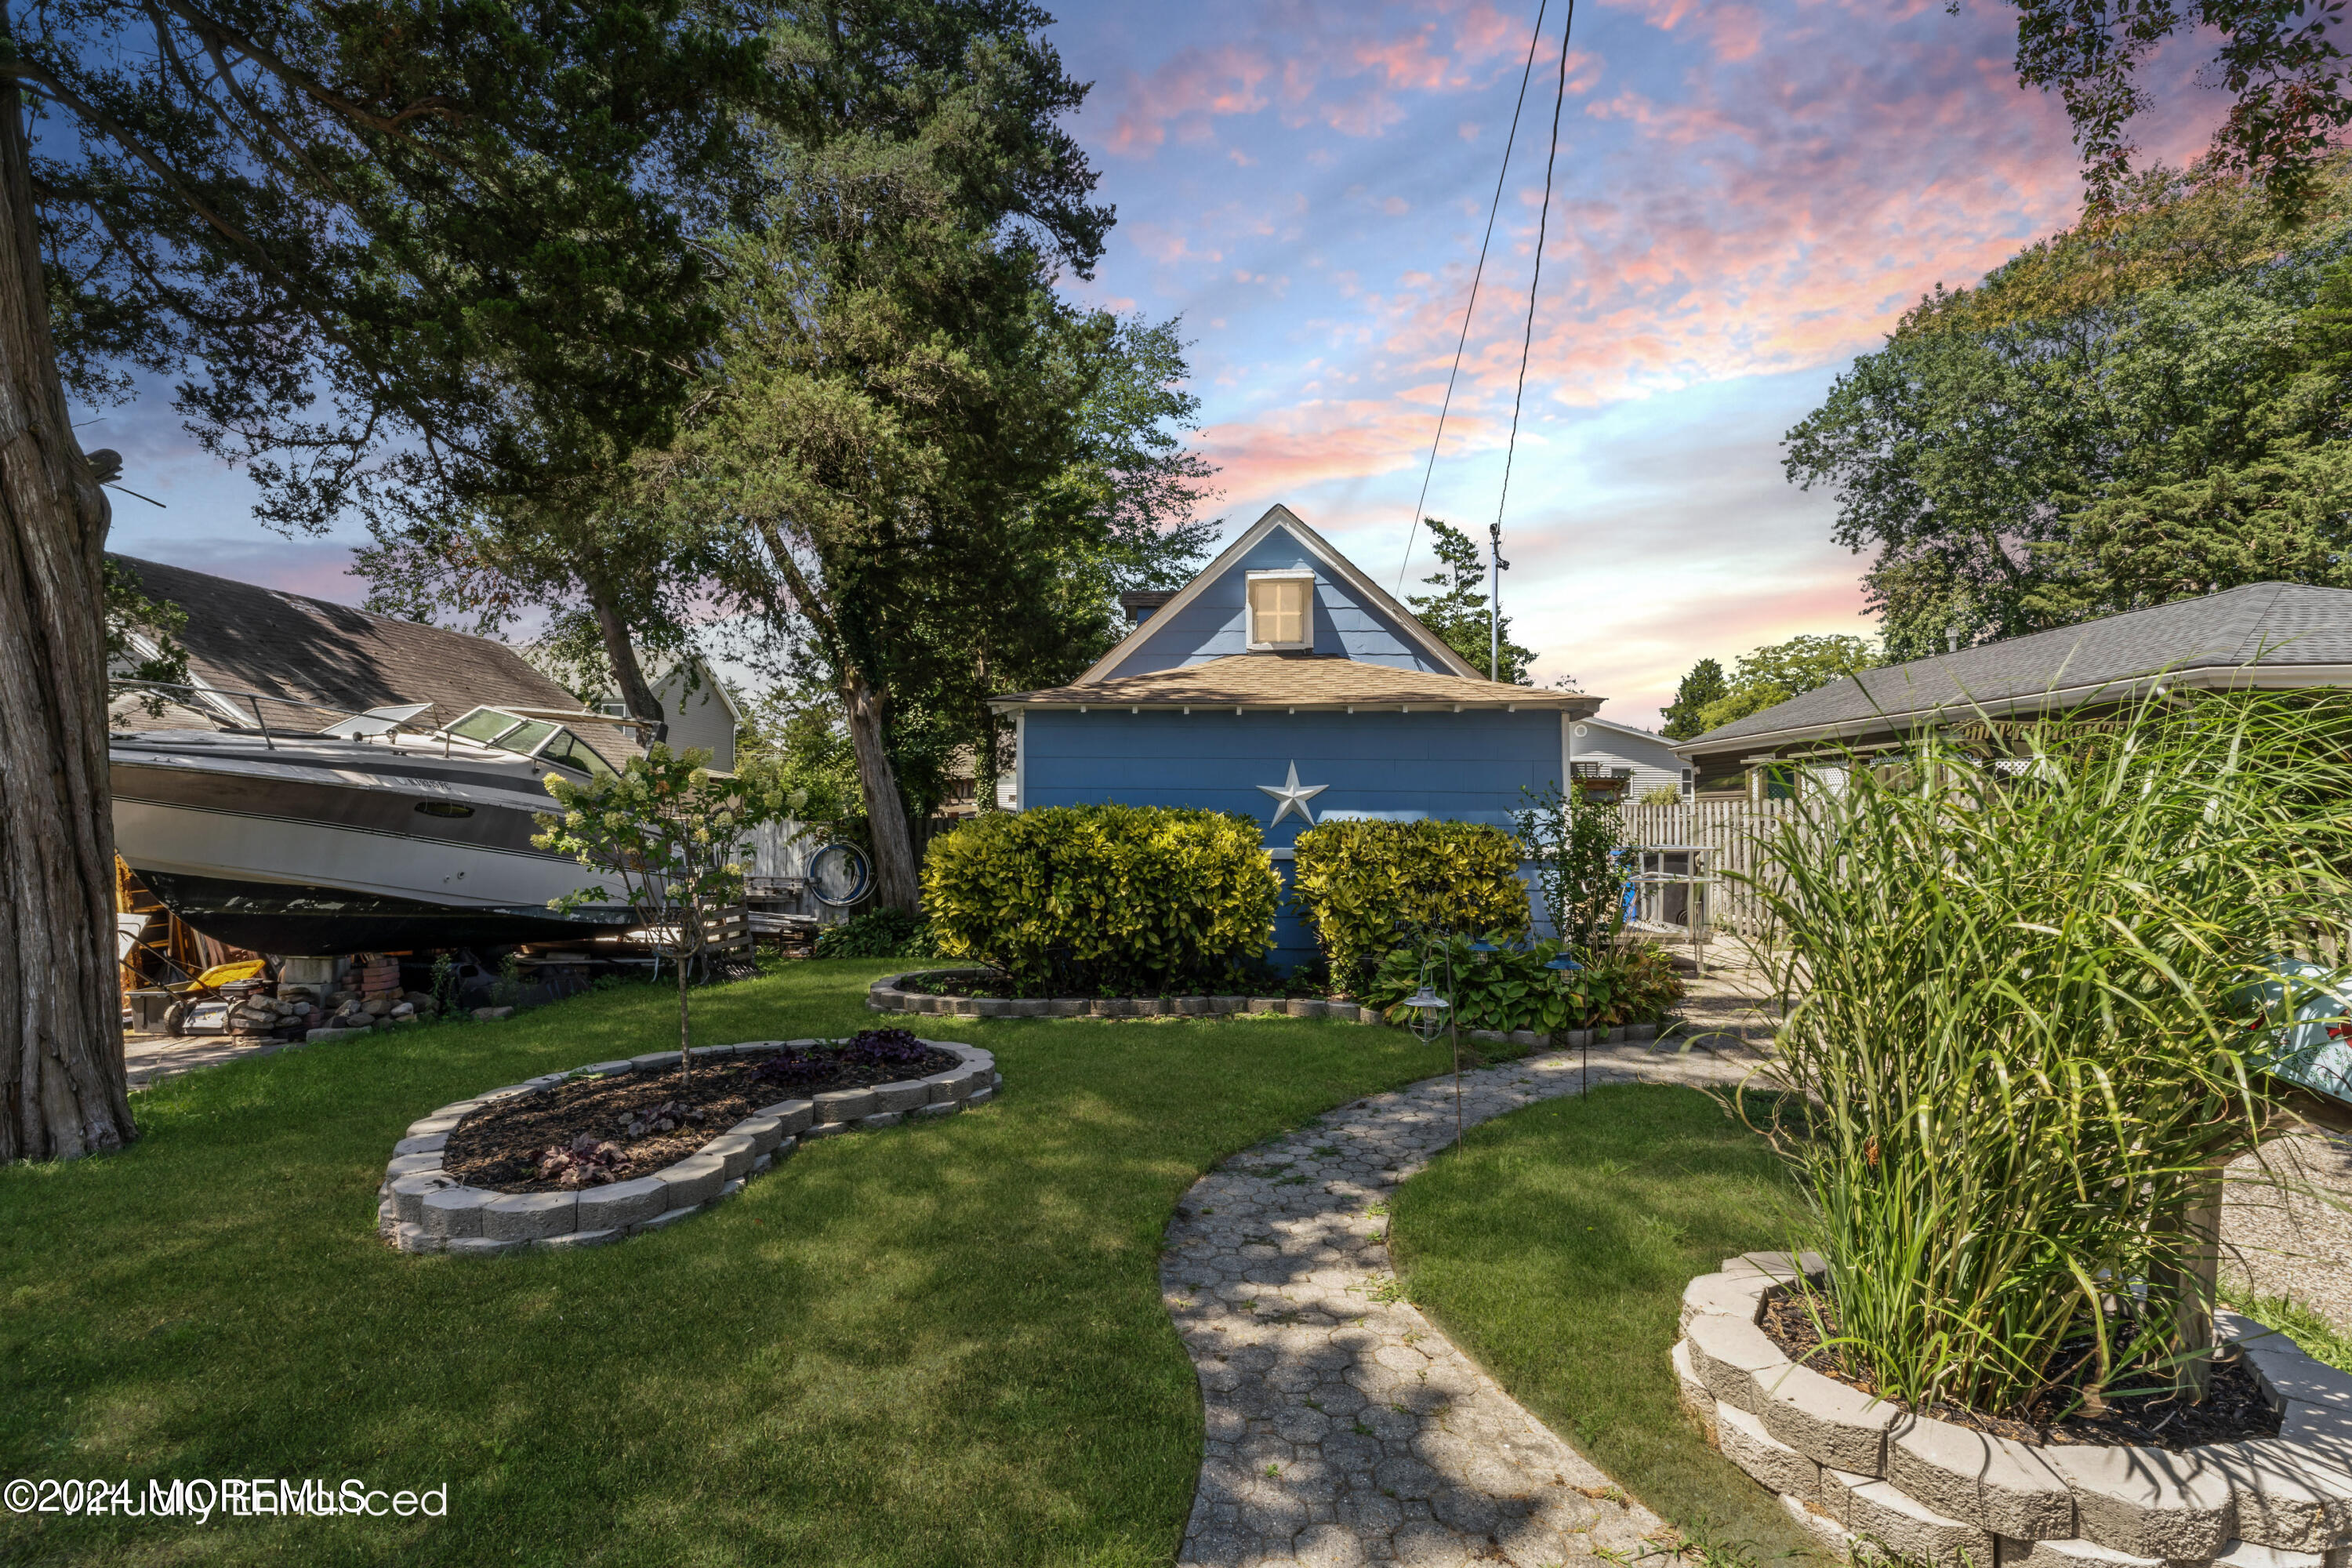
[(244, 638), (1267, 680), (1407, 624), (2261, 634)]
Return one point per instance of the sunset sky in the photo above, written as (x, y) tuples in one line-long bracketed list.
[(1745, 196)]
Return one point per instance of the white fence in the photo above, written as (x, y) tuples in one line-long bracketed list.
[(1730, 831)]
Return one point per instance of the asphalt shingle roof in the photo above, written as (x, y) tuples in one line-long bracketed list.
[(1274, 681), (2279, 626)]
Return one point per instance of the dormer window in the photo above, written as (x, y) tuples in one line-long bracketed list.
[(1281, 611)]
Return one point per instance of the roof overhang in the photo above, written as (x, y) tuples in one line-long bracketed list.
[(1576, 706)]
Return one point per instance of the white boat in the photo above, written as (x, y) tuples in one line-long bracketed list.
[(363, 838)]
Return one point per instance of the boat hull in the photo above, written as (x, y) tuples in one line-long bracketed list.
[(294, 920)]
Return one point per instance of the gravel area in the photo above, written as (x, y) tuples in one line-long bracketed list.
[(2297, 1242)]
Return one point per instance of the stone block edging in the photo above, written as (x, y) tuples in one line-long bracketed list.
[(886, 995), (420, 1209), (1870, 1480)]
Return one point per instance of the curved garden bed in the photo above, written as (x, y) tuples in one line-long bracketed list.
[(1867, 1476), (455, 1183), (933, 991)]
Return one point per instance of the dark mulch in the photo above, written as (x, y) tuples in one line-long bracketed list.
[(501, 1146), (2233, 1408)]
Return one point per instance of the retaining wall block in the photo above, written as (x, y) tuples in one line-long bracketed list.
[(980, 1096), (454, 1211), (1725, 1295), (844, 1105), (2147, 1502), (623, 1204), (764, 1131), (655, 1060), (1733, 1358), (903, 1095), (1745, 1443), (1065, 1007), (606, 1069), (1268, 1004), (937, 1108), (823, 1129), (2254, 1555), (2288, 1495), (992, 1007), (480, 1245), (694, 1180), (1697, 1401), (1979, 1478), (1229, 1004), (879, 1119), (793, 1116), (1884, 1520), (1306, 1006), (2071, 1554), (1824, 1529), (439, 1121), (1028, 1007), (665, 1220), (1777, 1266), (584, 1238), (529, 1216), (733, 1150), (407, 1194), (942, 1085), (1526, 1037), (1825, 1419), (421, 1143), (411, 1237)]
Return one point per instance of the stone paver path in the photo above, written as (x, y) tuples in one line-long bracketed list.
[(1342, 1428)]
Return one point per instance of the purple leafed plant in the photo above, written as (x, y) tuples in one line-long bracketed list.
[(588, 1162)]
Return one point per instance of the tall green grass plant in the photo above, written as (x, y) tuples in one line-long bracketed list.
[(2013, 983)]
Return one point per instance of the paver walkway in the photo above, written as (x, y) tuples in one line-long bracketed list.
[(1342, 1428)]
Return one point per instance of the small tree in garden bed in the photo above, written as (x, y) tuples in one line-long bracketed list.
[(1573, 841), (673, 834), (1359, 882), (2022, 1014)]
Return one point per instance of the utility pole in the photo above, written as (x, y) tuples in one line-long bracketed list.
[(1494, 601)]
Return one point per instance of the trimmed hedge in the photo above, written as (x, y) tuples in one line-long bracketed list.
[(1110, 900), (1355, 880)]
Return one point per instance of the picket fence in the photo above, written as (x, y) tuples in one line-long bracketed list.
[(1732, 833)]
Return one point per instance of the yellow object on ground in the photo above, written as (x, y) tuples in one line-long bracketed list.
[(229, 973)]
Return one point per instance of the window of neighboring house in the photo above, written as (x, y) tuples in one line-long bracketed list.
[(1281, 610), (1690, 783)]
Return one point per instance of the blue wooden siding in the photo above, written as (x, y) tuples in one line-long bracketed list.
[(1216, 623), (1468, 767)]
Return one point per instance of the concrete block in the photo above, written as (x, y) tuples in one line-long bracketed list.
[(607, 1070), (410, 1164), (879, 1119), (413, 1238), (1268, 1004), (845, 1105), (992, 1007), (1885, 1521), (1190, 1006), (903, 1095), (655, 1061), (2070, 1553), (1777, 1267), (941, 1085), (439, 1121), (407, 1194), (732, 1150), (1109, 1007), (584, 1238), (713, 1053), (1745, 1443), (1065, 1007), (1725, 1296), (1978, 1478), (2147, 1502), (980, 1096), (2288, 1496), (2254, 1555), (479, 1245), (937, 1108), (1831, 1535), (1825, 1419), (665, 1220), (1488, 1037), (1733, 1359), (1526, 1037), (693, 1180), (621, 1204), (529, 1216), (1306, 1006), (791, 1116), (1699, 1404), (824, 1130), (1576, 1039), (764, 1131), (1228, 1004), (1028, 1007), (423, 1143), (2315, 1423), (783, 1150)]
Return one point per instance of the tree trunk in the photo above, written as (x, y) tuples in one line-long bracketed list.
[(62, 1091), (985, 761), (684, 1034), (621, 653), (2193, 1288), (895, 884)]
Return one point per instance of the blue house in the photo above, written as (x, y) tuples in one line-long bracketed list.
[(1284, 683)]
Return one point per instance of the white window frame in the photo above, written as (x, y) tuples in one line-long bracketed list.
[(1306, 619)]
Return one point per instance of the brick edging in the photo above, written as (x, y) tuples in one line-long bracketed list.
[(885, 995), (421, 1210), (1868, 1479)]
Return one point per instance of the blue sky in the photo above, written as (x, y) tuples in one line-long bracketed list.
[(1745, 195)]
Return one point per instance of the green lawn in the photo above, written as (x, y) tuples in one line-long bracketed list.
[(937, 1345), (1555, 1249)]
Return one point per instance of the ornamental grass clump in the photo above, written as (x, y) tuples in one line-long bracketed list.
[(2019, 1010)]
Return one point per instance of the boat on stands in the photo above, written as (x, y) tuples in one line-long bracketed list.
[(366, 835)]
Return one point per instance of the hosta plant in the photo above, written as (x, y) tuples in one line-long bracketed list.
[(1512, 988)]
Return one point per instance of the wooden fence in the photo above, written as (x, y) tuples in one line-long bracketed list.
[(1729, 830), (781, 852)]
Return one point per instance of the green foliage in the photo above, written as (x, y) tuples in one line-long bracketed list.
[(1116, 900), (1703, 684), (1574, 842), (2128, 413), (1778, 671), (129, 610), (1356, 882), (1456, 608), (2015, 1003), (878, 933), (1511, 989)]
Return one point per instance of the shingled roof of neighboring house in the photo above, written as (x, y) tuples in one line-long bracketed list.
[(244, 638), (1265, 680), (2262, 635)]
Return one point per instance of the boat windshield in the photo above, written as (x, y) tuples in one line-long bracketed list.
[(485, 725), (568, 750)]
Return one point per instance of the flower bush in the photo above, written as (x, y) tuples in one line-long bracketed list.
[(1110, 900), (1512, 989), (1357, 881)]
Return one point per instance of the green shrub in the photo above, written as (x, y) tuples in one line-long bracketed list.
[(1116, 899), (1355, 882), (878, 933), (2018, 1000), (1572, 842), (1511, 989)]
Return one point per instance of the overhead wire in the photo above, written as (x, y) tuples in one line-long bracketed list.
[(1543, 221), (1526, 73)]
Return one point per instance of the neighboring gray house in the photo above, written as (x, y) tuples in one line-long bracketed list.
[(1607, 746), (2264, 636), (696, 704)]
